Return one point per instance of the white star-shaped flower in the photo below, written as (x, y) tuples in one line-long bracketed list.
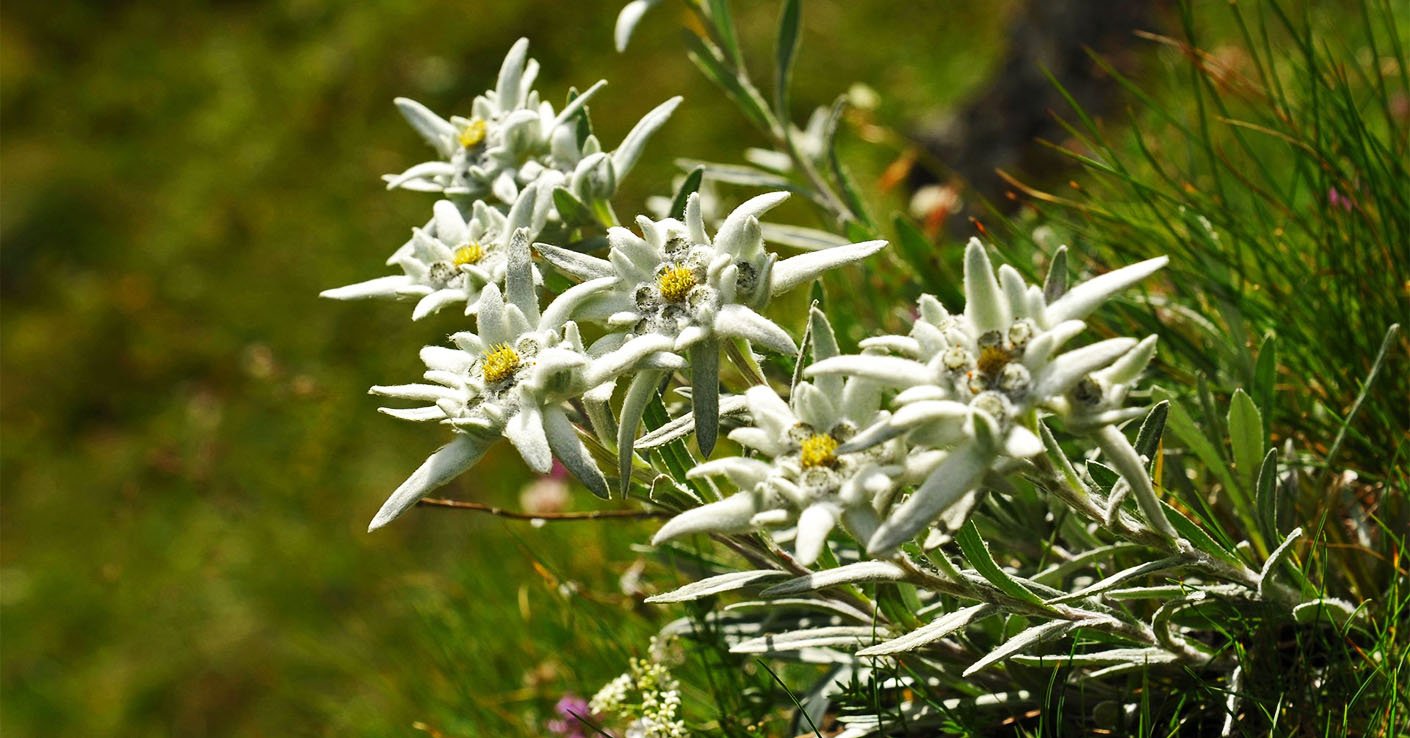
[(452, 259), (799, 474), (511, 378), (971, 384), (513, 139), (675, 281)]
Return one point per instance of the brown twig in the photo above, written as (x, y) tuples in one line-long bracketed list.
[(546, 516)]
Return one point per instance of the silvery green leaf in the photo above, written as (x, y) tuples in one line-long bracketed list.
[(955, 476), (628, 19), (795, 270), (715, 585), (1082, 299), (1266, 495), (437, 131), (705, 393), (737, 174), (639, 393), (627, 154), (1311, 612), (1162, 592), (1057, 572), (682, 426), (1283, 550), (1129, 367), (1132, 468), (1110, 582), (568, 448), (738, 321), (511, 72), (1134, 656), (861, 571), (1067, 369), (889, 370), (1026, 639), (807, 239), (730, 515), (985, 304), (790, 604), (930, 632), (525, 430), (447, 463), (977, 552), (391, 286), (575, 263), (1246, 438), (825, 637), (814, 524), (1056, 284)]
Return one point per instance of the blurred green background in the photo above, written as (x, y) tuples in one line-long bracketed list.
[(189, 454)]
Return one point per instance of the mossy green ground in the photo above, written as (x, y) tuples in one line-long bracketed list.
[(189, 453)]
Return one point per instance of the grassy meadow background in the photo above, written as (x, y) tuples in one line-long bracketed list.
[(190, 457)]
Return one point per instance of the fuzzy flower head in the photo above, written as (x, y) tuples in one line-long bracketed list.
[(799, 471), (511, 378), (453, 258), (676, 280), (972, 384), (512, 139)]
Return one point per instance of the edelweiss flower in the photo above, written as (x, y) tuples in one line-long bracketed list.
[(510, 379), (800, 474), (451, 260), (677, 282), (972, 384), (512, 139)]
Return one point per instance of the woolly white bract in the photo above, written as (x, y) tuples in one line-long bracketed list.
[(972, 384)]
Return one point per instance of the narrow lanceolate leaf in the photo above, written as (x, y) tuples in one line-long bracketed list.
[(705, 392), (447, 463), (678, 428), (1265, 495), (627, 154), (789, 23), (948, 484), (639, 393), (1245, 437), (1184, 427), (1152, 428), (799, 237), (570, 208), (1283, 551), (715, 585), (1192, 532), (929, 633), (978, 555), (861, 571), (1024, 640), (1055, 285), (1133, 656), (845, 636), (689, 187), (628, 19), (1117, 578)]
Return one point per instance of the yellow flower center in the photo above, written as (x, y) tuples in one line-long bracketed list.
[(675, 284), (470, 253), (820, 450), (992, 360), (500, 362), (473, 133)]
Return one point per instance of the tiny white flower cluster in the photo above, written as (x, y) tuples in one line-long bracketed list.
[(647, 694)]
